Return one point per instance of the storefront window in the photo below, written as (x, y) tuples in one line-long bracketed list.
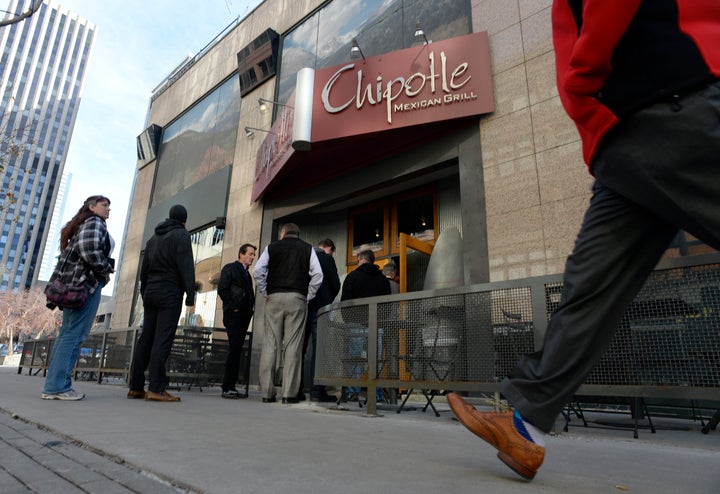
[(368, 229), (380, 26), (415, 215), (198, 143), (207, 251)]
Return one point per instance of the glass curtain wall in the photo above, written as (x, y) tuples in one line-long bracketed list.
[(380, 26), (198, 143)]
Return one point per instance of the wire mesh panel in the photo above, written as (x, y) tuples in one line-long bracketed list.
[(117, 351), (88, 362), (471, 338), (343, 344), (422, 339), (669, 333)]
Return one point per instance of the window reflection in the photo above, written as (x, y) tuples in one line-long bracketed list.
[(199, 143), (207, 251), (380, 26)]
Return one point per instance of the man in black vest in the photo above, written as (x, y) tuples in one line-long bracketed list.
[(238, 296), (289, 274)]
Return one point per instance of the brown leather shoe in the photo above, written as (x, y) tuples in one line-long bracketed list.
[(135, 395), (523, 456), (164, 396)]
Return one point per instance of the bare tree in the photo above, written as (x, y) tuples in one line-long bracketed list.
[(15, 18), (23, 316)]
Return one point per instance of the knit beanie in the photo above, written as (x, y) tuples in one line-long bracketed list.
[(179, 213)]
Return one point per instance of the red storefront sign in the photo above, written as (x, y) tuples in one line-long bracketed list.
[(440, 81), (428, 83)]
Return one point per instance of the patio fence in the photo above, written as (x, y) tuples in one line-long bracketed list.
[(469, 338)]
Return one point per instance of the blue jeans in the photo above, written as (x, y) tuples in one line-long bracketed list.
[(357, 342), (75, 328)]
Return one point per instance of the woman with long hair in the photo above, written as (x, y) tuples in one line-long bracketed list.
[(85, 246)]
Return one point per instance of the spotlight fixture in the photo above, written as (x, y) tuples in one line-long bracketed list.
[(355, 51), (420, 34), (250, 132), (263, 103)]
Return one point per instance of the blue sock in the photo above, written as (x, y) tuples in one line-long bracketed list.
[(527, 430)]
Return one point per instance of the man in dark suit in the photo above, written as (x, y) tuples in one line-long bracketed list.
[(325, 295), (238, 296)]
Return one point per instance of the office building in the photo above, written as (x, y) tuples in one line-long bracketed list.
[(44, 60), (52, 245)]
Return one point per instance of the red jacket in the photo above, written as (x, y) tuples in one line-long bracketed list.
[(614, 57)]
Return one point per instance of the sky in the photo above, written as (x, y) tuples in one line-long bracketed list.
[(137, 45)]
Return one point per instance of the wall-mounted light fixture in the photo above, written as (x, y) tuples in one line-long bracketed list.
[(250, 132), (355, 51), (420, 34), (263, 103)]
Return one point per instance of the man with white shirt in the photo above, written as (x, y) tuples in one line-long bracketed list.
[(288, 273)]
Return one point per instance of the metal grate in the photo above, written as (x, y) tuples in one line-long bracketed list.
[(669, 334), (470, 338)]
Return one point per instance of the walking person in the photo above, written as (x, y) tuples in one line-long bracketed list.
[(86, 248), (288, 273), (640, 80), (167, 272), (238, 296)]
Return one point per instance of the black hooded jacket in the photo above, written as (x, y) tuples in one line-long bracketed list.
[(168, 263)]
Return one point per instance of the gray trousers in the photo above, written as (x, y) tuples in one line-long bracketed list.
[(285, 315), (656, 173)]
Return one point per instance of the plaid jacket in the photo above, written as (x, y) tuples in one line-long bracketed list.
[(88, 256)]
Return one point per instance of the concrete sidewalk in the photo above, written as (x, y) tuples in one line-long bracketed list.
[(210, 445)]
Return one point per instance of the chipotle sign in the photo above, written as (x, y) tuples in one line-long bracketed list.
[(429, 83)]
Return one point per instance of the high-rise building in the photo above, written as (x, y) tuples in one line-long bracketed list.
[(43, 64), (52, 244)]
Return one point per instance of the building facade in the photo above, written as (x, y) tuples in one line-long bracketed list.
[(448, 119), (43, 64)]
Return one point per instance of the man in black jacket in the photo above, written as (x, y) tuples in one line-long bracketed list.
[(367, 280), (238, 296), (167, 272), (326, 294)]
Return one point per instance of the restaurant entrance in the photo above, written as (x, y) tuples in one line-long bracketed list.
[(377, 226)]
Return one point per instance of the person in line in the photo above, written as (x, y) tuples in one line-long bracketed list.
[(367, 280), (390, 272), (238, 296), (288, 273), (640, 78), (86, 247), (326, 294), (167, 272)]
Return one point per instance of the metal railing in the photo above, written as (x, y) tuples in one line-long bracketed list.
[(195, 358), (469, 338)]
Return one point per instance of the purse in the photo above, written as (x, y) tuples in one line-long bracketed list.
[(65, 296)]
